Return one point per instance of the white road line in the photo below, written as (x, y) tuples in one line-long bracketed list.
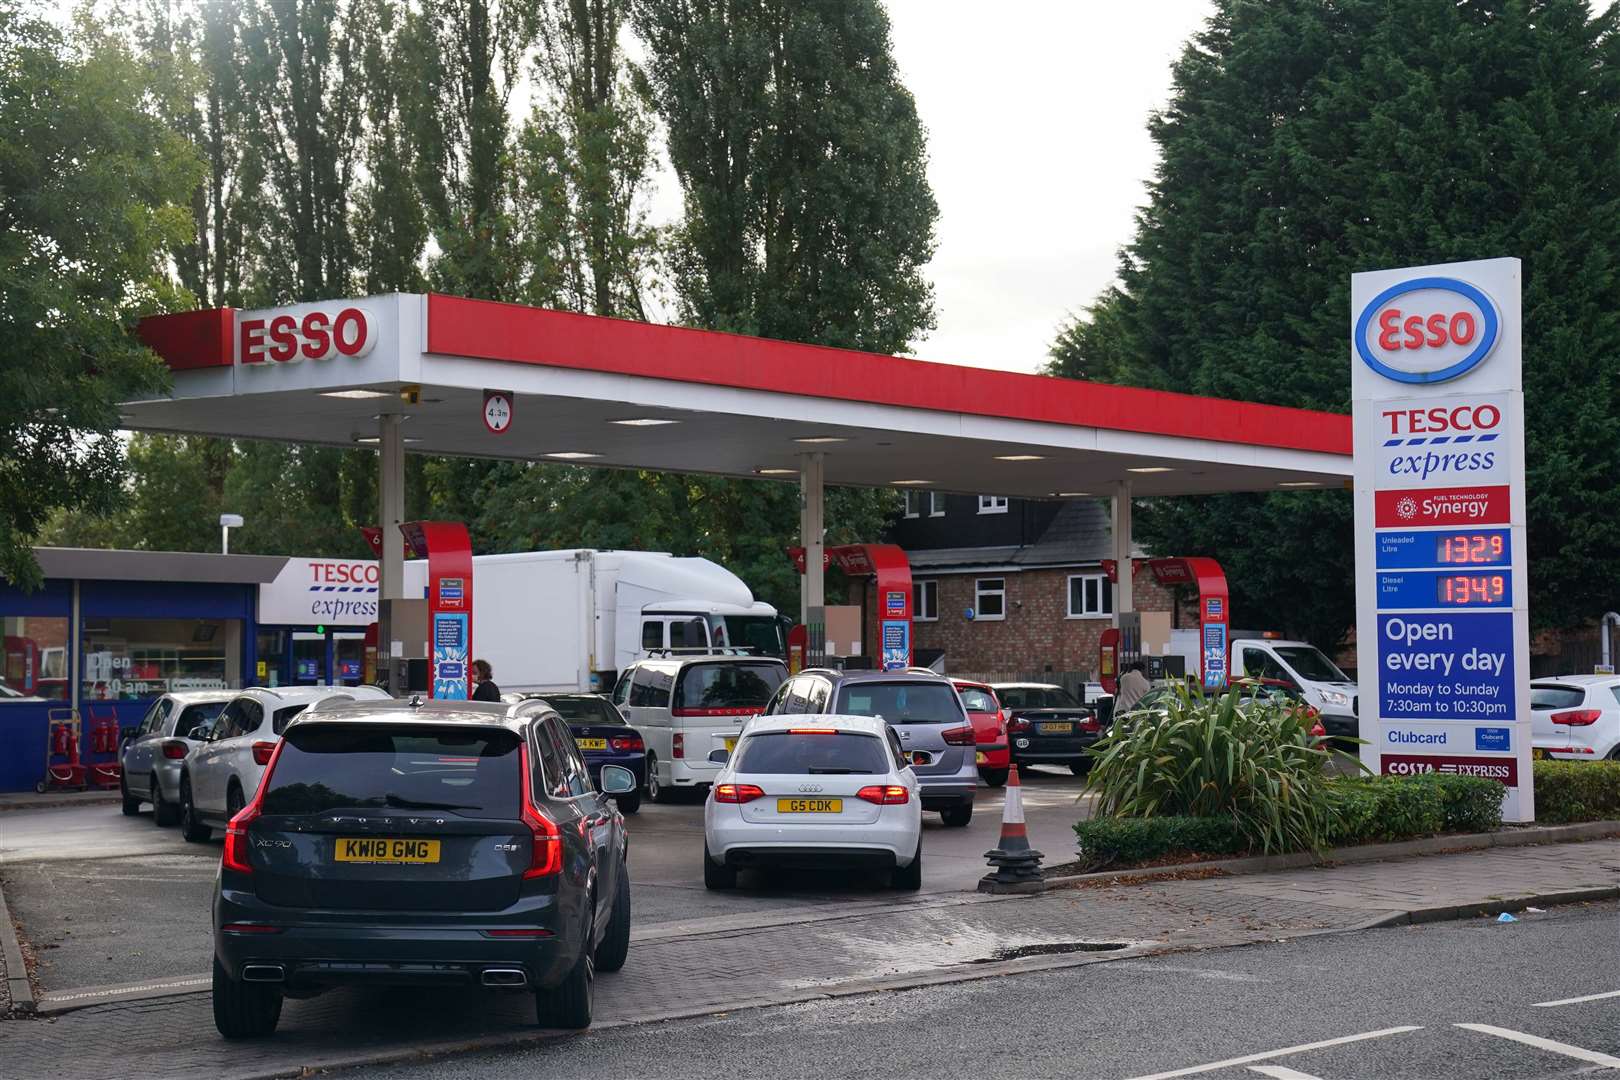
[(1539, 1043), (1193, 1070), (1575, 1001), (1281, 1072)]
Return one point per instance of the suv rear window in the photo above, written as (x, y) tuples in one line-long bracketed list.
[(326, 767), (1548, 696), (831, 753), (901, 702), (727, 685), (585, 710)]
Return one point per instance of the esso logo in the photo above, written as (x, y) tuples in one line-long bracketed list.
[(1427, 330), (318, 335)]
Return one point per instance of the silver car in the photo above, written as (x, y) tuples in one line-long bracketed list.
[(154, 752), (222, 775)]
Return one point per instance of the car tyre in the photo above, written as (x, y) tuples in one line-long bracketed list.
[(628, 804), (1080, 768), (957, 816), (715, 875), (132, 805), (244, 1010), (615, 946), (234, 801), (993, 777), (164, 813), (568, 1004), (909, 878), (657, 792), (190, 826)]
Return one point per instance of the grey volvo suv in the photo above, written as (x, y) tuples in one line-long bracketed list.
[(924, 711), (422, 843)]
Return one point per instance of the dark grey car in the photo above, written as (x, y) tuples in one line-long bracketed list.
[(422, 843)]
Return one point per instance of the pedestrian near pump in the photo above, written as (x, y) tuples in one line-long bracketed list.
[(484, 688), (1132, 685)]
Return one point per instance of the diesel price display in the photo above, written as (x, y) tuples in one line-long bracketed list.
[(1479, 590), (1471, 549)]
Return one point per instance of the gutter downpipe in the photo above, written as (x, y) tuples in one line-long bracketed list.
[(1610, 618)]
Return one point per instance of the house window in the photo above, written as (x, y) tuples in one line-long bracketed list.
[(920, 503), (924, 601), (1090, 596), (990, 599), (992, 504)]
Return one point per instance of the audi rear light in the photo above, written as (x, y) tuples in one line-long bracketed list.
[(627, 743), (677, 745), (175, 749), (262, 752), (236, 855), (958, 736), (546, 857), (1578, 717), (737, 793), (884, 794)]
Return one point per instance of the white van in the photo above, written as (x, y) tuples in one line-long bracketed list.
[(686, 706), (1325, 687)]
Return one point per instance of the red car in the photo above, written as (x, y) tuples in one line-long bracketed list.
[(989, 730)]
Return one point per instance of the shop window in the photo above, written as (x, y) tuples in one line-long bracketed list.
[(992, 504), (924, 504), (925, 601), (35, 661), (131, 659), (1090, 596), (990, 599)]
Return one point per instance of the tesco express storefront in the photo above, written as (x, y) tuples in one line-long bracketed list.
[(111, 631)]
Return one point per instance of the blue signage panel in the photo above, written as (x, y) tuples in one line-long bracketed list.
[(450, 656), (1446, 666), (1444, 589), (895, 603), (1442, 548), (1214, 655), (896, 644), (1493, 738)]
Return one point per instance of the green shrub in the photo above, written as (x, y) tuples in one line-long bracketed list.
[(1255, 762), (1577, 791), (1114, 841), (1471, 804), (1372, 810)]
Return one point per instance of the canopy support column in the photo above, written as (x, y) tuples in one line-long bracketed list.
[(1124, 602), (391, 511), (812, 527)]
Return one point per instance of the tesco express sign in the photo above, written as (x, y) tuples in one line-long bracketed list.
[(317, 335), (1427, 330)]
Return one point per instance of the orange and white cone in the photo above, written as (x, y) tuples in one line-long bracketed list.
[(1017, 865)]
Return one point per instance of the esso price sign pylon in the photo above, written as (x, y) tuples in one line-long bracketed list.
[(1442, 623)]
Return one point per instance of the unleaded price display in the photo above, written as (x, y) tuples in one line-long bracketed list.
[(1472, 549)]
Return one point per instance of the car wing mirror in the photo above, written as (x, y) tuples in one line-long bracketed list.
[(617, 780), (719, 756)]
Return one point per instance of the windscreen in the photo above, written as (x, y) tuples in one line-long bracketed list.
[(195, 716), (326, 767), (585, 710), (901, 702), (1309, 662), (834, 753), (977, 700), (762, 633), (1544, 698), (727, 686)]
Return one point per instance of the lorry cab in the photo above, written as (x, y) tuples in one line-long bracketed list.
[(1301, 664), (685, 625)]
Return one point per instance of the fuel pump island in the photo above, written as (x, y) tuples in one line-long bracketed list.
[(1442, 624)]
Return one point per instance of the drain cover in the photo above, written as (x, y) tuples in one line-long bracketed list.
[(1055, 948)]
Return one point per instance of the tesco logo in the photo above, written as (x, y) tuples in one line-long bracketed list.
[(1427, 330), (1459, 419), (285, 339), (343, 573)]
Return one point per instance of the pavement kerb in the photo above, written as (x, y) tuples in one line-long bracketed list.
[(50, 800), (1429, 845), (22, 994)]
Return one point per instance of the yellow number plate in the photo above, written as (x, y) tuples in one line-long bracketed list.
[(1539, 755), (1064, 728), (731, 744), (384, 849), (809, 806), (979, 758), (592, 744)]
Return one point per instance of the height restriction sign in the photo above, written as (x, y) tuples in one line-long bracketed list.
[(1442, 626), (498, 411)]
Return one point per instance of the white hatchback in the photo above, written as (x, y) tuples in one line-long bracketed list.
[(810, 792), (1576, 717)]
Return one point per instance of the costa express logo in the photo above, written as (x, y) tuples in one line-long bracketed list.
[(318, 335), (1427, 330)]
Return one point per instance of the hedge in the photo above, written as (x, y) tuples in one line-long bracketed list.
[(1113, 841), (1569, 791)]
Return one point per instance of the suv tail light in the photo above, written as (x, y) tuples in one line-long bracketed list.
[(236, 855), (175, 749), (627, 743), (262, 752), (958, 736), (1578, 718), (677, 745), (884, 795), (547, 854), (737, 793)]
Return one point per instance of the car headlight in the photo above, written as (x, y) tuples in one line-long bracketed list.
[(1335, 697)]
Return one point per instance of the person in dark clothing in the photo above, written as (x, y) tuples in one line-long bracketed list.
[(484, 688)]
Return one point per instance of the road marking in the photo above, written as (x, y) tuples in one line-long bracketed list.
[(1539, 1043), (1192, 1070), (1281, 1072), (1575, 1001)]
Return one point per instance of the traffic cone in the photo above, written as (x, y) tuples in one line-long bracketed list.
[(1017, 865)]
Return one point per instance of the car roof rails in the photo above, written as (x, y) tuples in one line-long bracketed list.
[(703, 650)]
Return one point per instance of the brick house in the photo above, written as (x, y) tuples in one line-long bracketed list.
[(1031, 571)]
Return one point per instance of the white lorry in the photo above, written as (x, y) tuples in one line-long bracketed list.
[(572, 620)]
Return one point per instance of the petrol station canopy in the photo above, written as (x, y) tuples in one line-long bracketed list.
[(609, 392)]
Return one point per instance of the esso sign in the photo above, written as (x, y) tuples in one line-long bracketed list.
[(317, 335), (1452, 420), (1427, 330)]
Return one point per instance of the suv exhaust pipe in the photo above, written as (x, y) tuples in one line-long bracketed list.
[(505, 978), (263, 973)]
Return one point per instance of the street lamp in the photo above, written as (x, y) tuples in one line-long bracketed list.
[(227, 522)]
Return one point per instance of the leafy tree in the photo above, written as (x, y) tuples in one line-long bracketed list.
[(94, 190), (1306, 141), (391, 230)]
